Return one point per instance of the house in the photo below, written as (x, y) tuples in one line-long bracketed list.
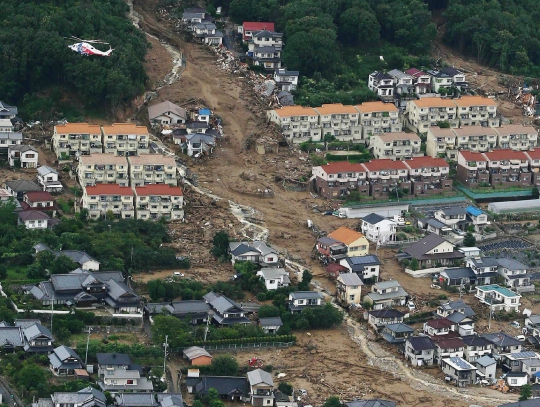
[(32, 219), (75, 139), (18, 188), (378, 117), (110, 361), (248, 28), (499, 298), (125, 380), (231, 388), (300, 300), (197, 144), (349, 289), (517, 379), (265, 49), (86, 261), (502, 343), (386, 294), (166, 113), (257, 252), (261, 388), (274, 278), (378, 319), (285, 98), (42, 201), (460, 371), (338, 179), (395, 146), (421, 81), (156, 201), (5, 196), (330, 250), (487, 367), (378, 229), (286, 80), (125, 139), (387, 178), (533, 323), (447, 78), (514, 273), (420, 350), (195, 311), (470, 252), (7, 111), (193, 15), (531, 366), (121, 298), (207, 33), (479, 218), (477, 110), (403, 83), (9, 139), (339, 121), (367, 267), (6, 126), (517, 137), (47, 177), (357, 244), (396, 333), (441, 142), (197, 127), (447, 348), (438, 326), (23, 156), (87, 397), (457, 276), (472, 170), (284, 400), (432, 225), (452, 216), (101, 199), (226, 311), (513, 362), (135, 400), (429, 176), (270, 325), (382, 84), (457, 312), (64, 360), (476, 347), (103, 169), (197, 356), (170, 400), (370, 403), (432, 250), (297, 123), (427, 112), (508, 168)]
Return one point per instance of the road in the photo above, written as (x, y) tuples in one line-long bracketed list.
[(7, 392)]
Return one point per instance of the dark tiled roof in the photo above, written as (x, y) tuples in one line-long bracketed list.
[(387, 313), (120, 359), (421, 343), (373, 218)]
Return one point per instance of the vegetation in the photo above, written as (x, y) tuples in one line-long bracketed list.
[(526, 392), (285, 388), (220, 246), (224, 365), (469, 240)]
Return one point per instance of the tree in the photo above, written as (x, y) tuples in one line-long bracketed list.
[(198, 403), (35, 271), (176, 329), (526, 392), (359, 26), (3, 272), (285, 388), (7, 208), (535, 193), (469, 240), (83, 214), (224, 365), (414, 264), (332, 401), (31, 377), (328, 138), (306, 279), (267, 311), (62, 265), (220, 246)]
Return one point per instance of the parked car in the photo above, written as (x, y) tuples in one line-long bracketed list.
[(411, 306), (339, 214), (178, 274), (521, 338), (326, 213)]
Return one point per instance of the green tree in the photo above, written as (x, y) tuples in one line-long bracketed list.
[(35, 271), (469, 240), (526, 392), (332, 401), (535, 193), (285, 388), (306, 280), (220, 245), (3, 272), (224, 365), (31, 377), (266, 311), (414, 264), (7, 208), (62, 265), (198, 403), (176, 329), (359, 26)]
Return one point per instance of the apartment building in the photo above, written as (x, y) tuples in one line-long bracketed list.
[(396, 146), (429, 176), (472, 169), (477, 111), (378, 117), (508, 168), (125, 139), (533, 156), (517, 137), (152, 169), (99, 199), (102, 169), (74, 139), (441, 143), (424, 113), (421, 81), (337, 179), (339, 121), (475, 138), (157, 201), (386, 177), (297, 123), (382, 84)]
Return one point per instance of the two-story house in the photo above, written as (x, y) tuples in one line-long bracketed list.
[(274, 278), (477, 110), (498, 298), (76, 139), (110, 361), (485, 268), (261, 388), (446, 78), (125, 139), (340, 121), (378, 319), (17, 188), (476, 347), (403, 82), (472, 170), (87, 397), (152, 169), (330, 250), (378, 229), (265, 48), (396, 146), (226, 311), (124, 379), (461, 372), (478, 217), (396, 333), (367, 267), (33, 219), (429, 176), (446, 347), (387, 178), (7, 111), (300, 300), (207, 33), (453, 216), (421, 81), (193, 15), (441, 142), (47, 177), (378, 117), (428, 112), (438, 326), (41, 201), (382, 84), (100, 199), (297, 123), (6, 126), (257, 252), (533, 323), (386, 294), (23, 156), (432, 250), (514, 272), (166, 113), (156, 201), (9, 139), (419, 350), (103, 169), (37, 338), (337, 179), (286, 80), (457, 311), (508, 168), (349, 289), (357, 244), (248, 28), (64, 360), (487, 367)]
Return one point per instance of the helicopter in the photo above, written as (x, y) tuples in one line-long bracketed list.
[(85, 47)]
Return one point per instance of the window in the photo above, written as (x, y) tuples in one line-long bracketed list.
[(351, 297), (513, 381)]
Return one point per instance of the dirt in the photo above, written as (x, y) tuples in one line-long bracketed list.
[(158, 62)]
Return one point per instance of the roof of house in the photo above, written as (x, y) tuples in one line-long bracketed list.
[(535, 319), (448, 343), (102, 159), (434, 222), (532, 362), (373, 218), (459, 363), (516, 374), (11, 336), (473, 156), (164, 107), (398, 74), (336, 108), (220, 303), (474, 131), (267, 33), (453, 210), (345, 235), (64, 352), (457, 305), (357, 263), (39, 196), (534, 154), (170, 399), (383, 285), (302, 295), (158, 189), (474, 101), (35, 330), (427, 243), (77, 128), (32, 215), (135, 399), (125, 129), (426, 161), (223, 384), (459, 272), (474, 211), (511, 129), (439, 323), (22, 148), (370, 403), (119, 359), (475, 340), (350, 279), (433, 102), (108, 189), (152, 159), (384, 164), (271, 321), (373, 107), (511, 264), (501, 290), (188, 307), (505, 155), (415, 72), (421, 342), (272, 273), (259, 376), (485, 361), (400, 135), (44, 170), (399, 327), (194, 352), (501, 339), (440, 132), (342, 167), (288, 111), (386, 313), (22, 186)]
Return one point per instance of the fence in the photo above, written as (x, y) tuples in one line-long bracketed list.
[(241, 346), (394, 243)]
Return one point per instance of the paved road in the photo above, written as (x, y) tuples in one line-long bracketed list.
[(7, 392)]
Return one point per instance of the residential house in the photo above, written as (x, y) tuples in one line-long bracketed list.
[(378, 229), (18, 188), (508, 168), (533, 156), (366, 267), (286, 80), (64, 360), (382, 84), (349, 289), (517, 379), (503, 343), (122, 299), (517, 137), (261, 388), (447, 78), (378, 117), (248, 28), (403, 82), (193, 15), (421, 81), (206, 31), (438, 326), (531, 366), (284, 400), (265, 49), (428, 112), (396, 333), (478, 217), (338, 179), (270, 325), (101, 199), (166, 113), (47, 177), (24, 156), (487, 367), (7, 111), (513, 362), (5, 196), (103, 169), (110, 361), (203, 115), (36, 337), (432, 250), (514, 273), (340, 121), (42, 201), (156, 201), (396, 146), (477, 110), (420, 350), (75, 139), (429, 176), (461, 372), (357, 244), (432, 225), (87, 262), (476, 347), (135, 400), (387, 178), (452, 216), (125, 139), (118, 380), (378, 319), (533, 323), (457, 311), (194, 311), (330, 250), (300, 300), (198, 144), (9, 140), (226, 311), (441, 142), (87, 397), (498, 298), (231, 388), (257, 252), (274, 278), (447, 348), (472, 169), (197, 356), (458, 277), (6, 126), (297, 123), (33, 219), (197, 127), (386, 294)]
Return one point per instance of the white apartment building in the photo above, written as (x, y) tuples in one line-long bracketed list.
[(378, 117), (339, 121), (517, 137), (74, 139), (297, 123), (500, 298), (396, 146), (155, 201), (125, 139), (103, 169), (426, 112), (441, 142), (102, 198), (450, 141), (477, 111), (152, 169)]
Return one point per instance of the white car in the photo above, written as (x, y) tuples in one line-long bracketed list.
[(411, 306), (178, 274)]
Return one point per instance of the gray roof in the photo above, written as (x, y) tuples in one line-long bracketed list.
[(272, 273), (485, 262), (387, 313), (5, 108), (427, 243), (79, 397), (271, 321), (421, 343), (220, 303), (398, 74), (195, 352), (44, 170), (197, 125), (302, 295), (501, 339), (475, 340), (11, 336), (387, 284), (35, 330), (135, 400), (456, 273), (23, 186), (485, 361), (435, 223), (456, 317), (532, 362), (454, 210), (118, 288), (399, 327), (224, 385), (32, 215), (164, 107), (43, 403), (258, 376), (457, 305), (170, 399), (119, 359), (64, 352), (241, 249), (267, 33), (350, 279), (370, 403), (535, 319), (78, 256), (328, 241), (22, 148), (187, 307), (200, 138), (511, 264)]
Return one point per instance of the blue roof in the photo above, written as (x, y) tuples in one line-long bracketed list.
[(204, 112), (472, 210)]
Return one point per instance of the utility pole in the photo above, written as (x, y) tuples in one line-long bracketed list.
[(207, 323), (87, 343), (490, 311), (165, 354), (52, 311)]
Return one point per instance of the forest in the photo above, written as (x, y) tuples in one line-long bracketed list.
[(36, 62)]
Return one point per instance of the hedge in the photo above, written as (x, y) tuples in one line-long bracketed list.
[(240, 341)]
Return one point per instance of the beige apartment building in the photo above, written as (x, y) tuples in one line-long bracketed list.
[(477, 111), (517, 137), (378, 117), (427, 112), (125, 139), (448, 142), (396, 146), (102, 198), (152, 169), (76, 139), (339, 121), (159, 201), (103, 168), (297, 123)]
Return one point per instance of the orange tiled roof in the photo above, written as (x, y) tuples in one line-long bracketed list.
[(511, 129), (77, 128), (125, 128), (336, 108), (434, 102), (373, 107), (505, 154), (341, 167), (472, 156), (288, 111), (423, 162), (474, 101), (345, 235)]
